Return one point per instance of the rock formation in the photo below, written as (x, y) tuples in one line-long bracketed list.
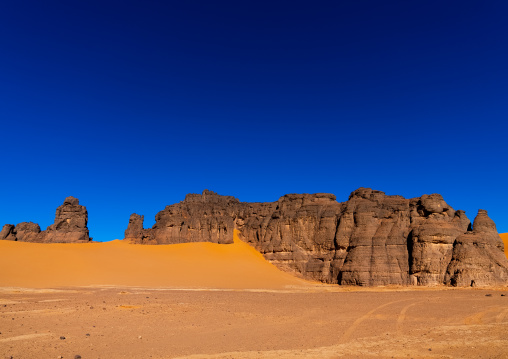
[(199, 218), (478, 257), (70, 226), (371, 239), (8, 232), (70, 223), (135, 231), (434, 228), (27, 232)]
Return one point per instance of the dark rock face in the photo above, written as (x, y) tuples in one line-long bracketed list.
[(70, 226), (70, 223), (27, 232), (371, 239), (135, 231), (199, 218)]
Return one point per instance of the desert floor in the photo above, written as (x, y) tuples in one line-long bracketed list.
[(235, 305), (155, 323)]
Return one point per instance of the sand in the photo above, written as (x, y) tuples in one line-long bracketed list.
[(201, 300), (504, 237), (188, 265), (146, 323)]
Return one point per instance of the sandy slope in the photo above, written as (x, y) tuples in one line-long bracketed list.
[(136, 318), (504, 237), (186, 265), (190, 265)]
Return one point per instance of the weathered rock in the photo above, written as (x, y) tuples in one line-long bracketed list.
[(70, 226), (199, 218), (363, 241), (27, 232), (70, 223), (372, 239), (297, 232), (483, 224), (478, 257), (374, 233), (135, 232), (434, 228), (135, 227), (8, 232)]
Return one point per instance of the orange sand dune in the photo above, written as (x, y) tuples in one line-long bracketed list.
[(504, 237), (189, 265)]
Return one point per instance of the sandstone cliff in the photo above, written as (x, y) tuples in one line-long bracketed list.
[(371, 239), (70, 226), (199, 218), (478, 256)]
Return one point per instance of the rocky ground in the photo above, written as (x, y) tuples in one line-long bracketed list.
[(317, 322)]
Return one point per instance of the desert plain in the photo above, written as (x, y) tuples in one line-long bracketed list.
[(205, 300)]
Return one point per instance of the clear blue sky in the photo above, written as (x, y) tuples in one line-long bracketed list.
[(129, 105)]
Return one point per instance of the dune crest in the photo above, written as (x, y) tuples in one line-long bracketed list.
[(187, 265)]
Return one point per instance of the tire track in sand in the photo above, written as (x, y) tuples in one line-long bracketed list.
[(478, 318), (24, 337), (357, 322), (402, 316), (502, 315)]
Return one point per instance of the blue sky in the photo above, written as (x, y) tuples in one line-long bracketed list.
[(129, 105)]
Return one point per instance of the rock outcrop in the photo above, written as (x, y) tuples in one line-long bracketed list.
[(8, 232), (199, 218), (478, 257), (70, 226), (135, 232), (28, 232), (371, 239), (296, 233), (434, 228)]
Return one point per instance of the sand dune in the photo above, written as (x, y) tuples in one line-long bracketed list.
[(189, 265), (147, 320), (504, 237)]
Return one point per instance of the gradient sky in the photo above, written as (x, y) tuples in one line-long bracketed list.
[(130, 105)]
